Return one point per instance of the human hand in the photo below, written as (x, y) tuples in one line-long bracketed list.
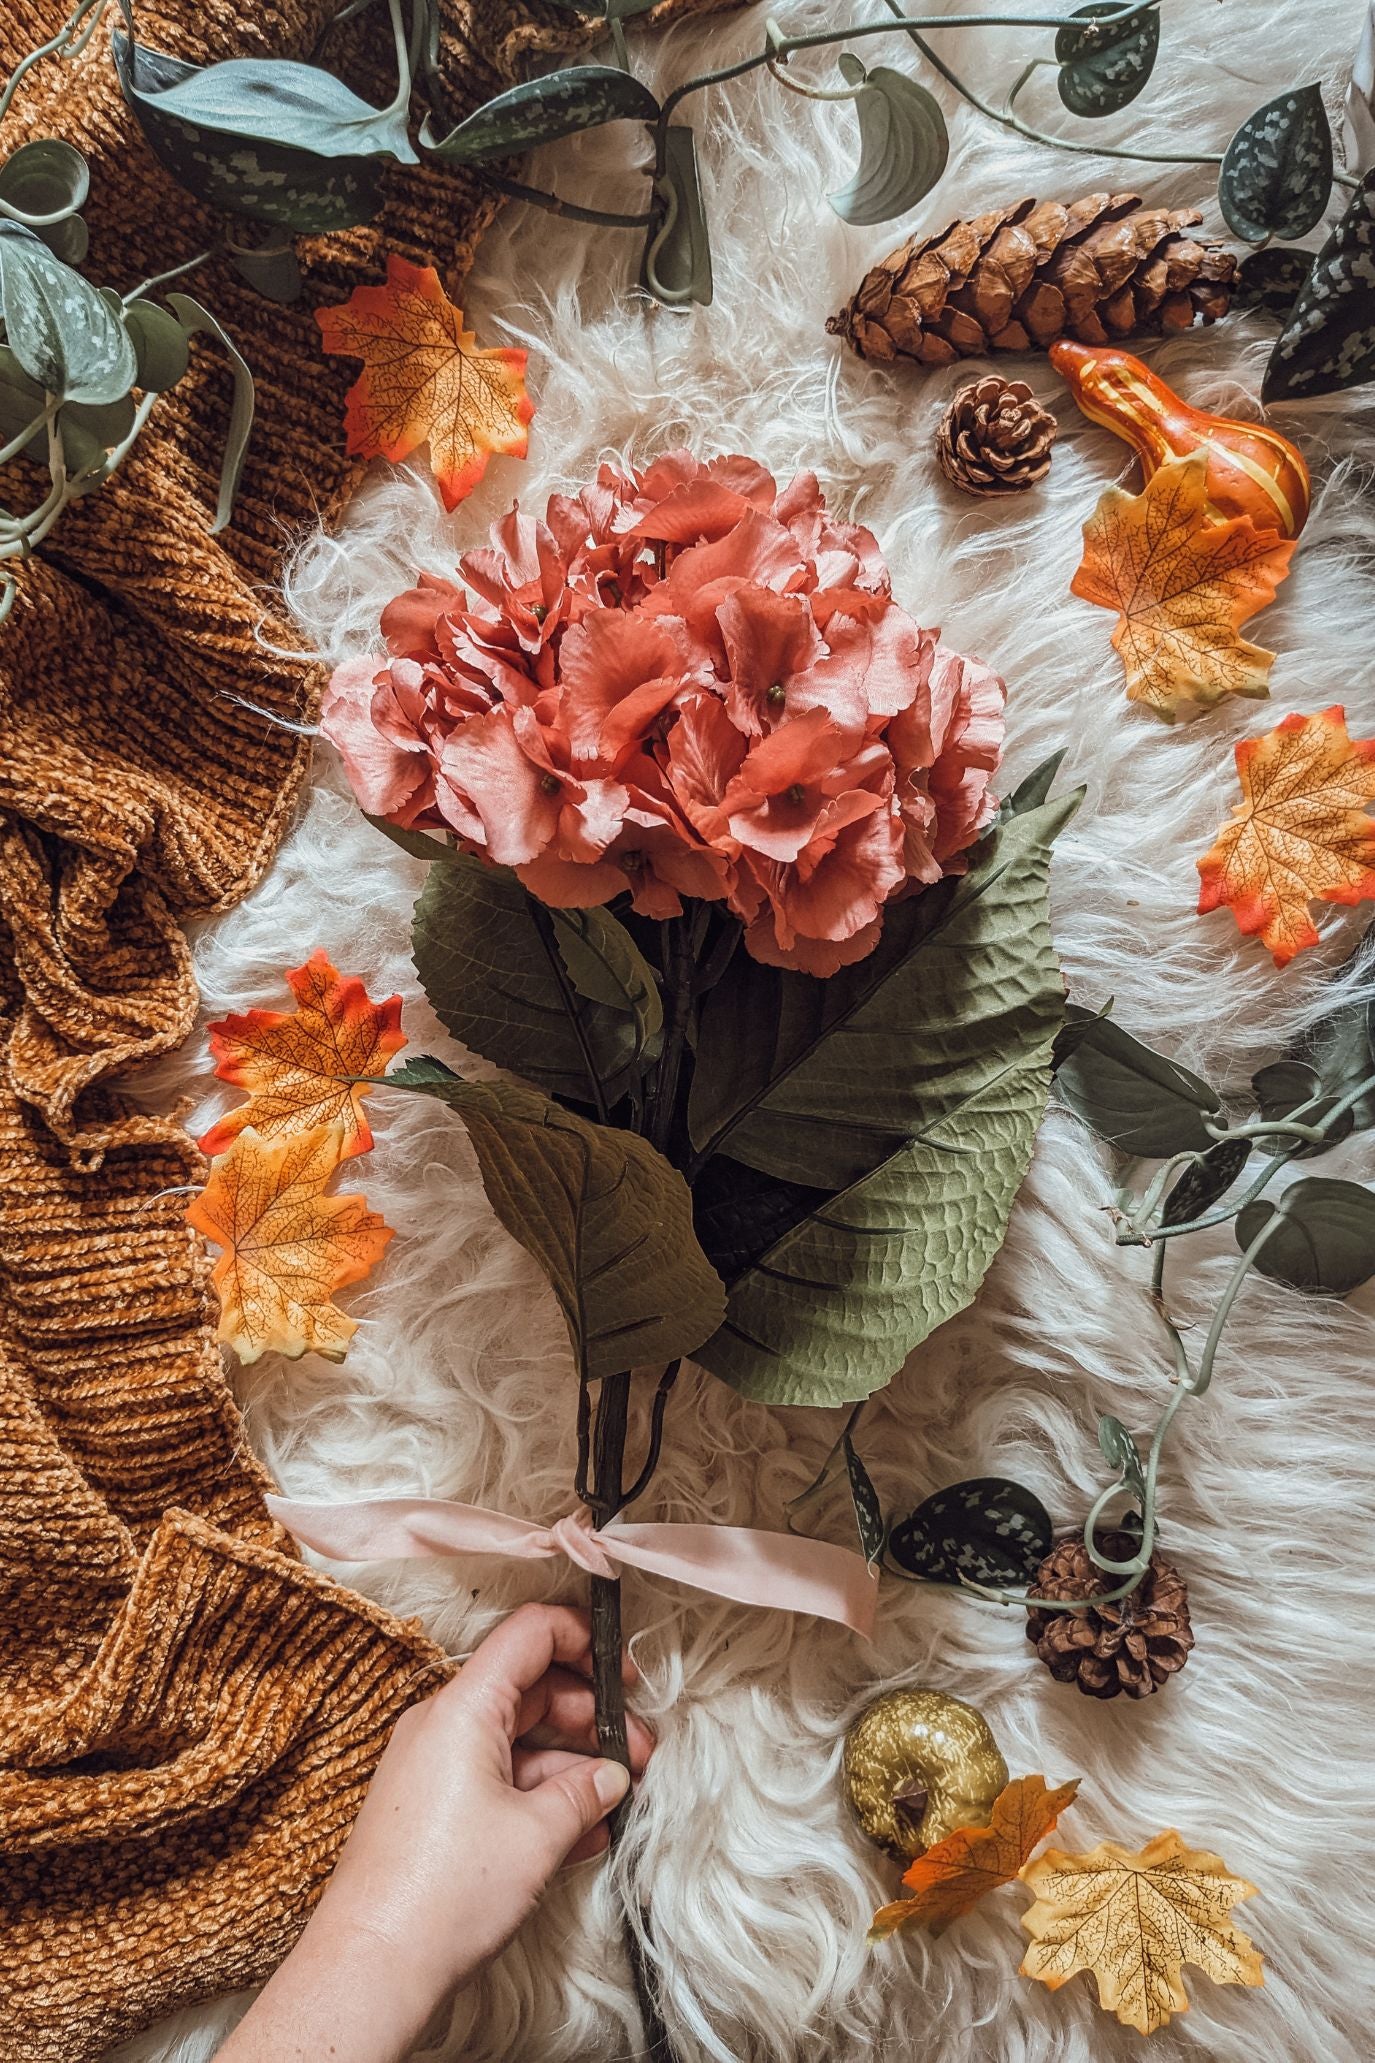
[(482, 1791)]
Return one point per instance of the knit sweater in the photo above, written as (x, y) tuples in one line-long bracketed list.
[(188, 1716)]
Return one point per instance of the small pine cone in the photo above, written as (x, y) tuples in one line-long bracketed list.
[(995, 437), (1016, 279), (1134, 1645)]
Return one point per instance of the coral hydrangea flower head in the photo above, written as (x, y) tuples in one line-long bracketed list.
[(682, 684)]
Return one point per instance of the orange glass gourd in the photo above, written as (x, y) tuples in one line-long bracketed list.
[(1252, 470)]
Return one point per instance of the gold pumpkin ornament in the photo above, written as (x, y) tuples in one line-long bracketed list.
[(918, 1764)]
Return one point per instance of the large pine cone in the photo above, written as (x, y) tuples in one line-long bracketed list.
[(1019, 278), (1134, 1645)]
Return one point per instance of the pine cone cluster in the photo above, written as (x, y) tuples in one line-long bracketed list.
[(1134, 1645), (995, 437), (1019, 278)]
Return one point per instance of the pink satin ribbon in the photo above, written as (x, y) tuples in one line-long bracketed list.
[(776, 1570)]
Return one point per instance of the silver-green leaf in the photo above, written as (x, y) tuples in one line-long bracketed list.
[(1328, 343), (1105, 64), (1322, 1237), (605, 1216), (1277, 172), (43, 183), (558, 104), (160, 346), (675, 267), (903, 148), (63, 333)]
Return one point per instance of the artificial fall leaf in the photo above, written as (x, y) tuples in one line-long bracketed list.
[(1183, 586), (287, 1246), (297, 1064), (424, 381), (1134, 1921), (1300, 833), (955, 1873)]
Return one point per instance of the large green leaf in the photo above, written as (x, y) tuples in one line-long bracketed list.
[(489, 961), (1104, 64), (903, 145), (308, 190), (1277, 171), (606, 1217), (951, 1040), (818, 1081), (556, 104), (63, 332)]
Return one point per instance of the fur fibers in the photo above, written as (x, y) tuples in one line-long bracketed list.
[(456, 1383)]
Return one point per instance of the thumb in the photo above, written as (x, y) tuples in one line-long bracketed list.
[(570, 1804)]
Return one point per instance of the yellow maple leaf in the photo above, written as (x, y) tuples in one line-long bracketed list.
[(287, 1246), (298, 1065), (425, 381), (1300, 833), (954, 1874), (1183, 586), (1134, 1921)]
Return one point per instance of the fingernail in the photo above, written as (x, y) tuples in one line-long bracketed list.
[(610, 1781)]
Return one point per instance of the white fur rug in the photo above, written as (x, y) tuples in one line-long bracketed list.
[(455, 1384)]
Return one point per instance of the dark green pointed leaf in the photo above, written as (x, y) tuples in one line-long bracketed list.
[(948, 1035), (90, 431), (1104, 65), (1120, 1452), (903, 148), (69, 240), (160, 346), (272, 270), (1206, 1182), (1136, 1099), (864, 1500), (43, 183), (21, 398), (1272, 280), (1277, 172), (606, 966), (308, 191), (1286, 1086), (987, 1530), (1033, 791), (60, 329), (197, 320), (557, 104), (1328, 342), (605, 1216), (489, 961), (1340, 1046), (675, 267), (1323, 1239)]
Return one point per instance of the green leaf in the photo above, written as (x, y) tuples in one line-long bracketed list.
[(195, 319), (43, 183), (1135, 1098), (1284, 1086), (1120, 1452), (68, 240), (1206, 1182), (160, 346), (1328, 342), (606, 1217), (1272, 280), (1277, 172), (951, 1035), (1104, 65), (90, 431), (675, 266), (21, 398), (558, 104), (987, 1530), (606, 966), (275, 100), (488, 960), (272, 270), (865, 1504), (63, 333), (1032, 792), (1323, 1238), (903, 148), (818, 1081), (307, 191)]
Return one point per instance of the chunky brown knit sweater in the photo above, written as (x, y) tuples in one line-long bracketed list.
[(188, 1717)]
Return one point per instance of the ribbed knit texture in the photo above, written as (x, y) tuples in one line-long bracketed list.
[(188, 1717)]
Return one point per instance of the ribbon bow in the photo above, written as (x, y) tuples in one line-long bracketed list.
[(778, 1571)]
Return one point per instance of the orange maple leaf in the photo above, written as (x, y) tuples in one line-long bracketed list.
[(957, 1872), (1300, 833), (297, 1064), (287, 1246), (424, 381), (1183, 586)]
